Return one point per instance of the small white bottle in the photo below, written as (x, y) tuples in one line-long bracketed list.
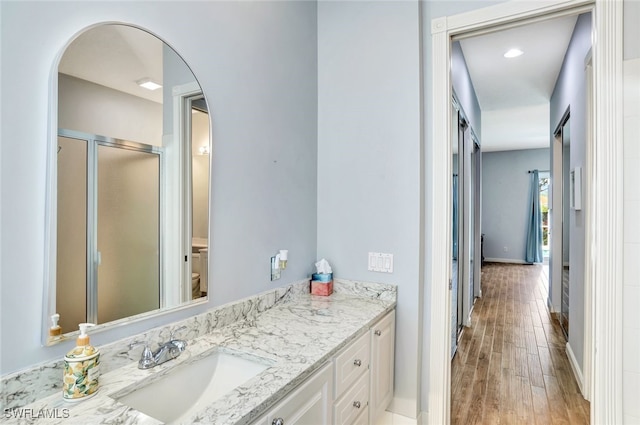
[(55, 331), (81, 368)]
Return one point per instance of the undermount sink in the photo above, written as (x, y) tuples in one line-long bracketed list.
[(191, 386)]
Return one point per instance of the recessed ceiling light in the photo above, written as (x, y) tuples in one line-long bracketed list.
[(148, 84), (513, 53)]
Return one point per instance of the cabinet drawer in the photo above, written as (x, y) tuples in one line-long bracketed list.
[(351, 363), (382, 365), (363, 419), (310, 403), (353, 402)]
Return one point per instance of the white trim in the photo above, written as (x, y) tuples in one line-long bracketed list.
[(423, 418), (505, 260), (440, 235), (607, 207), (403, 407), (587, 366), (575, 367), (178, 202), (605, 237)]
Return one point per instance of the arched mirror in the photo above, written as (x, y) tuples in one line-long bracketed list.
[(130, 182)]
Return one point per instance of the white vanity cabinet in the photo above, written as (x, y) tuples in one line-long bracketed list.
[(352, 382), (382, 364), (353, 388), (363, 393), (310, 403)]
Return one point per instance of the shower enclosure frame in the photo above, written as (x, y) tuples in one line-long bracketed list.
[(93, 259)]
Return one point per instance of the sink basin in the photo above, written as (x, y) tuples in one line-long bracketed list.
[(191, 386)]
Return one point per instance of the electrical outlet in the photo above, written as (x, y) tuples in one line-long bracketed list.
[(506, 249)]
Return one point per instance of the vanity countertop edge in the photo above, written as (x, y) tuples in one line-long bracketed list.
[(295, 337)]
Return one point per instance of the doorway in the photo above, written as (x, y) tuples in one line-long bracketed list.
[(602, 223), (543, 191)]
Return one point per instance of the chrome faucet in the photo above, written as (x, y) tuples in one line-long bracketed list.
[(166, 351)]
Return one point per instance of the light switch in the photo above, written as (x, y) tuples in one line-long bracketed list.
[(379, 262), (388, 263), (372, 261)]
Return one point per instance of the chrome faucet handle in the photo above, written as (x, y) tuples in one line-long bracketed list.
[(179, 343), (173, 332), (146, 359)]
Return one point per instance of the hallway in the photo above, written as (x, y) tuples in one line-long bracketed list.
[(511, 365)]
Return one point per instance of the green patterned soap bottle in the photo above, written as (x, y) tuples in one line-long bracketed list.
[(81, 369)]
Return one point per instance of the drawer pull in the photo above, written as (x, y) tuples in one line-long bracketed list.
[(378, 332), (356, 404), (357, 362), (278, 421)]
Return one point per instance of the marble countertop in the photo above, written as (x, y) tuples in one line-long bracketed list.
[(295, 337)]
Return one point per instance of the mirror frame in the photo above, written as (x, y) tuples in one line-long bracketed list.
[(50, 214)]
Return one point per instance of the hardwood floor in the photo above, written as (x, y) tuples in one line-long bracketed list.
[(511, 366)]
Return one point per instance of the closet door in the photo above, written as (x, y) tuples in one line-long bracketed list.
[(565, 134), (466, 245), (455, 236)]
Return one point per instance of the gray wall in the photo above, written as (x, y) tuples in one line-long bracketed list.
[(369, 158), (505, 200), (631, 41), (83, 106), (257, 64), (464, 90), (570, 92)]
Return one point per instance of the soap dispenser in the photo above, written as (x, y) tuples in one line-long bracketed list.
[(81, 368), (55, 331)]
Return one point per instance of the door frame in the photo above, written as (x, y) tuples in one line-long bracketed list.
[(604, 223)]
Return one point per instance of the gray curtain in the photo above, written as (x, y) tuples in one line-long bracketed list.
[(534, 231)]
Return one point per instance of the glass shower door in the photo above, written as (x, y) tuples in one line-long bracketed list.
[(127, 238), (71, 265)]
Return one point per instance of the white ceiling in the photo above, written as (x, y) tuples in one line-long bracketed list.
[(514, 93), (116, 56)]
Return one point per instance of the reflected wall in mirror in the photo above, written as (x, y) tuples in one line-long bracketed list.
[(130, 203)]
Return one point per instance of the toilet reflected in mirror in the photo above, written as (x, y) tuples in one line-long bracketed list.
[(200, 268)]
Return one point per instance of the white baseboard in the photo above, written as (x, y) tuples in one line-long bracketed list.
[(504, 260), (575, 367), (550, 306), (423, 418), (388, 418), (404, 407)]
